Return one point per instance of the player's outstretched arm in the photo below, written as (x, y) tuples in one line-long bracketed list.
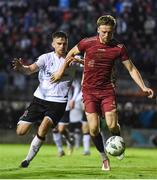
[(19, 66), (56, 76), (136, 76)]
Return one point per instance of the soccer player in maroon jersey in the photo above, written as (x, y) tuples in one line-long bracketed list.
[(100, 54)]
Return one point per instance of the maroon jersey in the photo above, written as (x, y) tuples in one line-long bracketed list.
[(99, 62)]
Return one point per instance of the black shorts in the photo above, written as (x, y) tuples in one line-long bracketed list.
[(73, 127), (65, 118), (39, 108)]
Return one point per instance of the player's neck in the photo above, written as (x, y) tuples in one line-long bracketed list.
[(105, 42), (60, 55)]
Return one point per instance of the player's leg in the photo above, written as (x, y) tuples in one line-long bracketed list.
[(23, 128), (58, 141), (63, 129), (77, 133), (92, 110), (38, 140), (31, 115), (114, 127), (86, 137), (26, 120), (93, 121), (76, 115), (109, 106), (112, 122), (52, 112), (111, 116)]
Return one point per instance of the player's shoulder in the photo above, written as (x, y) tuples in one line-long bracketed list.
[(47, 55), (116, 43), (90, 39)]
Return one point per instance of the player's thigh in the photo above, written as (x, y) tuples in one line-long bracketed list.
[(109, 108), (23, 128), (32, 114), (91, 103)]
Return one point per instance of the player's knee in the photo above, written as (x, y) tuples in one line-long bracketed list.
[(114, 128), (94, 131), (61, 129), (20, 132), (22, 128)]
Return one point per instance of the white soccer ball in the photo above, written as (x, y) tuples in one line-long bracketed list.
[(115, 145)]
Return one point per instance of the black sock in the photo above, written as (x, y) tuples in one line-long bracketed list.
[(98, 141), (41, 138), (115, 133)]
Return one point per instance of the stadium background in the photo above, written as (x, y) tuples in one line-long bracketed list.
[(25, 31)]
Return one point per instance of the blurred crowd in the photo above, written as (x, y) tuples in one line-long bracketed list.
[(26, 27)]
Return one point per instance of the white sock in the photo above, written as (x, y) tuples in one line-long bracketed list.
[(103, 156), (58, 141), (66, 136), (77, 137), (34, 148), (86, 142)]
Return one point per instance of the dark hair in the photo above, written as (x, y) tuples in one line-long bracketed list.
[(59, 34), (106, 20)]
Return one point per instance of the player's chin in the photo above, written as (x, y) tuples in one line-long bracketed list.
[(62, 52), (106, 41)]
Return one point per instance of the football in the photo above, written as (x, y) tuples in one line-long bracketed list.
[(115, 145)]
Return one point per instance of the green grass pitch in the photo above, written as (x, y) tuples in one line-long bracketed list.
[(138, 164)]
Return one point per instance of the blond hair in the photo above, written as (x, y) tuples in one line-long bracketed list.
[(106, 20)]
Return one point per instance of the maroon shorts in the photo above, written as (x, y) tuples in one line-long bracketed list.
[(100, 101)]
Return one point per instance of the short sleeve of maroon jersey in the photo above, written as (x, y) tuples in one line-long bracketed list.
[(124, 53), (82, 45)]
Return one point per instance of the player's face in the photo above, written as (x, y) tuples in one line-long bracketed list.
[(60, 45), (105, 33)]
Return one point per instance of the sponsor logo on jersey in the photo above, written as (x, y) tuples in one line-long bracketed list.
[(91, 63), (102, 50)]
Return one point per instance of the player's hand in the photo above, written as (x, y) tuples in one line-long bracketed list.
[(80, 61), (71, 104), (56, 76), (70, 60), (17, 64), (148, 92)]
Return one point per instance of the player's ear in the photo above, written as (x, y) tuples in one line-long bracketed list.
[(98, 29), (52, 44)]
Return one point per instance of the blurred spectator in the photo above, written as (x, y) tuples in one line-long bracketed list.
[(128, 117), (145, 117)]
